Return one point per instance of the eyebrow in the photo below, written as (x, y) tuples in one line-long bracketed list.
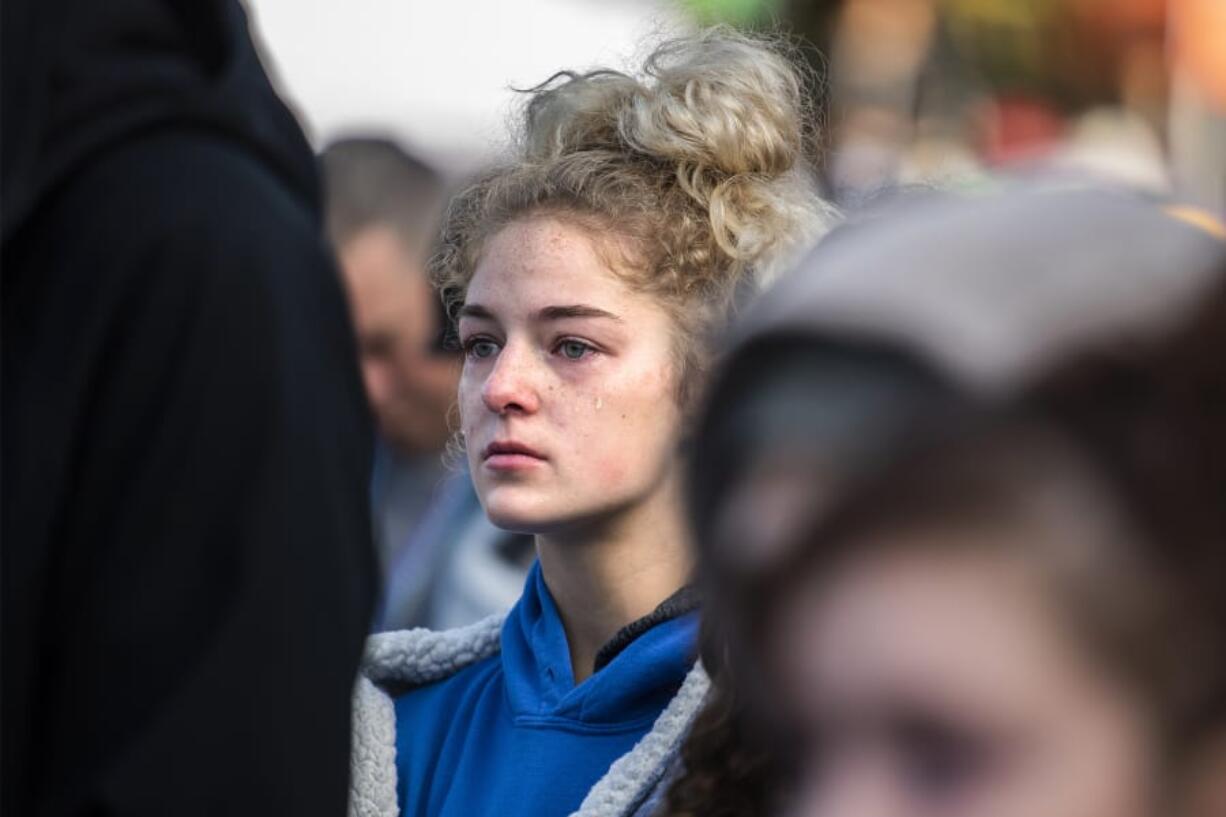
[(548, 313), (555, 313), (475, 311)]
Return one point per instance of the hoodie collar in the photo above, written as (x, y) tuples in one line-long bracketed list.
[(629, 689)]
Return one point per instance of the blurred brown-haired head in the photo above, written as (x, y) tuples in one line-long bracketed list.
[(973, 506), (1045, 570)]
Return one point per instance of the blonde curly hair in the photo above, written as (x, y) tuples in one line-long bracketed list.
[(692, 173)]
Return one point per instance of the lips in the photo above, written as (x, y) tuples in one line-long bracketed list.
[(508, 449)]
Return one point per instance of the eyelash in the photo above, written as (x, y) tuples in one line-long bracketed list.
[(470, 344), (588, 349)]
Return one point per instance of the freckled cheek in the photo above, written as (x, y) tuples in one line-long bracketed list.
[(469, 400), (621, 441)]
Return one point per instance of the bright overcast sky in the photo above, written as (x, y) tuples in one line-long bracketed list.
[(436, 73)]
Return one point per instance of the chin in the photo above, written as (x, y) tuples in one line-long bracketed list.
[(523, 509), (517, 509)]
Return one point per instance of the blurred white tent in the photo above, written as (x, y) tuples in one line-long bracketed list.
[(437, 73)]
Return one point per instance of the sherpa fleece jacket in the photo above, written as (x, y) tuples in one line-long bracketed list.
[(498, 726)]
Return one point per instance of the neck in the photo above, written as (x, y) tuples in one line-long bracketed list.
[(604, 575)]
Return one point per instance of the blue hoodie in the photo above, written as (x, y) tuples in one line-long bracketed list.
[(513, 735)]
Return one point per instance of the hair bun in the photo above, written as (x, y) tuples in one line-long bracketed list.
[(724, 114), (573, 113), (719, 102)]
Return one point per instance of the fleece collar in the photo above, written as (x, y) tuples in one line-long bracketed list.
[(397, 661), (627, 692), (685, 600)]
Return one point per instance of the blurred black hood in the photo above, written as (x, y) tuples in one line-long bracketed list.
[(79, 76)]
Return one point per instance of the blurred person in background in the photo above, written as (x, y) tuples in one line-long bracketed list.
[(187, 565), (383, 208), (1021, 615), (952, 92), (919, 323), (588, 273)]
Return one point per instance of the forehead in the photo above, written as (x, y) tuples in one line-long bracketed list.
[(382, 277), (378, 256), (541, 261), (934, 620)]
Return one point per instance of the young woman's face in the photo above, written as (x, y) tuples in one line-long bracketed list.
[(567, 398), (932, 680)]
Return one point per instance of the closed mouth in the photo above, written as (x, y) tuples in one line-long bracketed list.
[(510, 447)]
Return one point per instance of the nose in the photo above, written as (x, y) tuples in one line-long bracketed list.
[(510, 386)]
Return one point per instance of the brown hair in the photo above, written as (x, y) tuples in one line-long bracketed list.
[(371, 181)]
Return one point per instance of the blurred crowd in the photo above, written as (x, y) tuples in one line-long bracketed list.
[(837, 402)]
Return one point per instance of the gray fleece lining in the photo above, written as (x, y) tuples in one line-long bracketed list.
[(632, 776), (396, 661), (401, 660)]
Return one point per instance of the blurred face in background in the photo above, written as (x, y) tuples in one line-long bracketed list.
[(983, 640), (936, 680), (568, 393), (410, 384)]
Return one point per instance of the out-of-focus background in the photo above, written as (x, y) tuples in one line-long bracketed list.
[(438, 75), (404, 100), (914, 90)]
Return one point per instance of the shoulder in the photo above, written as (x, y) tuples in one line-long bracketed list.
[(393, 663), (192, 198), (409, 658), (185, 225), (157, 165), (637, 782)]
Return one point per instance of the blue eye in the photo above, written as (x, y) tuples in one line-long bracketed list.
[(574, 349), (480, 348)]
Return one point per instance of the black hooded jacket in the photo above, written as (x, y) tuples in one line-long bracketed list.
[(187, 568)]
